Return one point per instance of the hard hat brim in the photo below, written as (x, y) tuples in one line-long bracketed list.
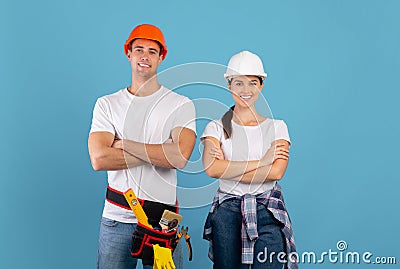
[(230, 76)]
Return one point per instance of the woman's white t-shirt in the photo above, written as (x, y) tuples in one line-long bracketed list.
[(246, 143)]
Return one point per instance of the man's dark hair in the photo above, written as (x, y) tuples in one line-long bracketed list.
[(159, 44)]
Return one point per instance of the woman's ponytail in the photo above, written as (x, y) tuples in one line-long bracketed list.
[(227, 122)]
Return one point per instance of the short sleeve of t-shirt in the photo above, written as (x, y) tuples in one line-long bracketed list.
[(281, 131), (101, 121), (186, 115), (213, 129)]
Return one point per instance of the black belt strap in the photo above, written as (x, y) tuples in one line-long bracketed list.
[(153, 210), (117, 198)]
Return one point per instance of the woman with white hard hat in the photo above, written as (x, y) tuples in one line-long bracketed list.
[(248, 223)]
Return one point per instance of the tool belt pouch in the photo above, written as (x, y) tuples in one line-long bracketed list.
[(145, 237), (143, 240)]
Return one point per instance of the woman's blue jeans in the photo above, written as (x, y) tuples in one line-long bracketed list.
[(114, 250), (227, 247)]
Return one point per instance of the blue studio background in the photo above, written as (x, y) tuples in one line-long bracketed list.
[(333, 76)]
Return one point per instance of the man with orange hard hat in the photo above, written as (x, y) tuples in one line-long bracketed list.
[(140, 134)]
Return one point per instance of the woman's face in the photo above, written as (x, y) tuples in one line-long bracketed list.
[(245, 90)]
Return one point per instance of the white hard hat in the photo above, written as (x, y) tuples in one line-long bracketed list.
[(245, 63)]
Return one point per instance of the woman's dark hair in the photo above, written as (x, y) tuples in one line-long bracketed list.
[(259, 78), (227, 122)]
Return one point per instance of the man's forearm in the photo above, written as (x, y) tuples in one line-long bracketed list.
[(105, 156), (164, 155), (116, 159)]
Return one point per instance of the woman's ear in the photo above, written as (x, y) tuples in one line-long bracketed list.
[(261, 85)]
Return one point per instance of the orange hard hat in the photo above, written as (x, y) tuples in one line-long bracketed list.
[(147, 31)]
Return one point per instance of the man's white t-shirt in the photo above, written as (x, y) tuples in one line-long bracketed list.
[(246, 143), (149, 120)]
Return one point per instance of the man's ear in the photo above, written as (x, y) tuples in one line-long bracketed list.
[(129, 54)]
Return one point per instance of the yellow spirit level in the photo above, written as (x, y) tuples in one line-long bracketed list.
[(137, 208)]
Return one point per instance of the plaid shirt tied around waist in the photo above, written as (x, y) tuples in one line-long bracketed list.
[(273, 201)]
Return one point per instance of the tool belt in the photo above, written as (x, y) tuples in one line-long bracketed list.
[(145, 237)]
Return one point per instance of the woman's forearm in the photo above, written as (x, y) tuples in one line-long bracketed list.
[(258, 175), (264, 173), (231, 169)]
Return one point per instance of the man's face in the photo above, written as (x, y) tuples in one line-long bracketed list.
[(145, 57)]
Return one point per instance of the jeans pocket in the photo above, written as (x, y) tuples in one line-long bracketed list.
[(109, 222)]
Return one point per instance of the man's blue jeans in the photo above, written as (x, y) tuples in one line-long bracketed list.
[(227, 243), (114, 250)]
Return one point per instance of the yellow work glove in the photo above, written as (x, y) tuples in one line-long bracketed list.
[(162, 258)]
